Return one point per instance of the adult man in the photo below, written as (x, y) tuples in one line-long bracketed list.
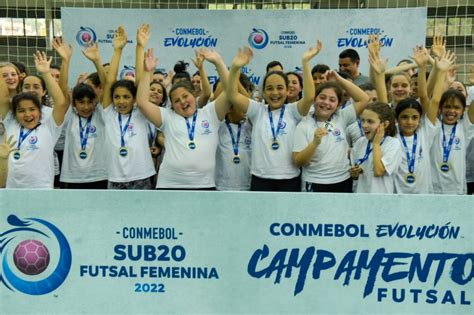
[(349, 61)]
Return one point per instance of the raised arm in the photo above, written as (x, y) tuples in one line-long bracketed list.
[(150, 110), (421, 57), (120, 40), (442, 65), (361, 99), (377, 68), (92, 53), (304, 104), (42, 64), (243, 57), (222, 102), (438, 49), (303, 158), (6, 147), (205, 86), (379, 168), (143, 35), (65, 51), (401, 68), (4, 98)]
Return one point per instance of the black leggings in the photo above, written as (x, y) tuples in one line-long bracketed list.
[(266, 184), (342, 187)]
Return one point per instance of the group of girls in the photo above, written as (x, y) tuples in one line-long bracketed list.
[(115, 129)]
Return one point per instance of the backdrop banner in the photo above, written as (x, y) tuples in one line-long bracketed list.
[(282, 35), (215, 252)]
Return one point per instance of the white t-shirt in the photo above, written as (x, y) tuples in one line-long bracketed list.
[(453, 181), (391, 159), (354, 132), (423, 182), (266, 162), (92, 168), (137, 164), (470, 162), (183, 167), (35, 167), (229, 175), (330, 162)]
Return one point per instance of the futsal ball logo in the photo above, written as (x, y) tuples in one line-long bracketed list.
[(258, 39), (30, 268), (33, 140), (128, 71), (86, 36)]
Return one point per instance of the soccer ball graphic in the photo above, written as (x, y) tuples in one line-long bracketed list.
[(258, 39), (31, 257)]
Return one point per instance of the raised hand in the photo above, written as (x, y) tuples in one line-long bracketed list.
[(439, 46), (319, 133), (374, 45), (42, 63), (445, 61), (143, 35), (62, 48), (7, 146), (376, 62), (150, 61), (312, 51), (331, 75), (210, 55), (420, 56), (379, 134), (199, 60), (92, 52), (243, 57), (120, 38)]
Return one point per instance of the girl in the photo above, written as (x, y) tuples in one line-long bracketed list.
[(378, 155), (191, 134), (129, 162), (274, 123), (320, 145), (455, 131), (32, 163), (295, 87), (11, 75), (416, 135), (84, 152)]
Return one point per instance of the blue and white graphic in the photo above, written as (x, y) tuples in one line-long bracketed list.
[(127, 72), (31, 257), (258, 39), (86, 36)]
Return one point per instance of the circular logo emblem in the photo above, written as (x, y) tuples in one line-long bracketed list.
[(258, 39), (86, 36), (33, 139), (31, 257), (205, 124)]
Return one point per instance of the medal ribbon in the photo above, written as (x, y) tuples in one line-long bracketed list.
[(123, 130), (447, 146), (84, 134), (410, 159), (22, 136), (359, 123), (368, 150), (192, 127), (235, 142), (270, 117)]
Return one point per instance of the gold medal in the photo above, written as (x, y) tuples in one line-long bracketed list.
[(410, 178), (444, 167)]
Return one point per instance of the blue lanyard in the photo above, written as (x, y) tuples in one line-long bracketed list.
[(447, 146), (84, 135), (410, 159), (151, 134), (22, 136), (270, 116), (235, 142), (192, 127), (123, 130), (368, 150)]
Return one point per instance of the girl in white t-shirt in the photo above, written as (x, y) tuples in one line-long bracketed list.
[(320, 145), (129, 162), (84, 151), (191, 133), (32, 163), (274, 123), (377, 156)]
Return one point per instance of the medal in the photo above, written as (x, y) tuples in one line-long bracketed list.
[(444, 167), (84, 135), (235, 141), (410, 178), (21, 137), (275, 145), (17, 155), (82, 154), (329, 126), (191, 129), (123, 151), (368, 150)]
